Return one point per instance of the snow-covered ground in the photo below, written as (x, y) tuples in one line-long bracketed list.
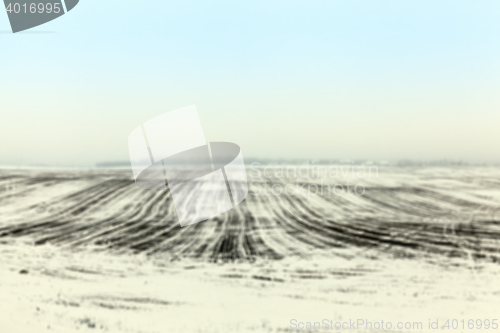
[(88, 250)]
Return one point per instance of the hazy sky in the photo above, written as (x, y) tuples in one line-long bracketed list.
[(285, 79)]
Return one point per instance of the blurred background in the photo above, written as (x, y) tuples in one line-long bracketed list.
[(390, 80)]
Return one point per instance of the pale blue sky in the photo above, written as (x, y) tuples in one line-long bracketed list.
[(285, 79)]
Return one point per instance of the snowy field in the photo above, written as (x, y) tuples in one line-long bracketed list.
[(87, 250)]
